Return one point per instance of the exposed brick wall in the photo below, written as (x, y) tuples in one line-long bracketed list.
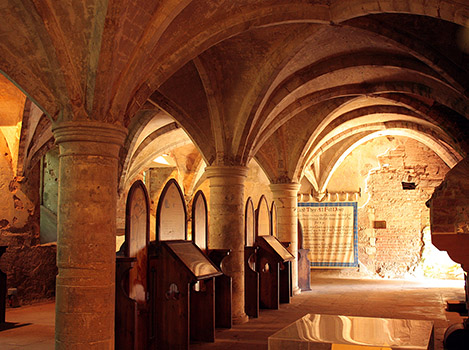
[(395, 250)]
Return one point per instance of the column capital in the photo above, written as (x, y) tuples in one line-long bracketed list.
[(89, 138), (292, 187), (226, 171)]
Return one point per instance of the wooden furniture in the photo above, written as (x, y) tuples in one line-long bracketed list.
[(132, 273), (271, 258), (182, 278), (126, 307), (251, 276), (184, 295), (223, 283), (223, 290), (285, 286), (3, 288)]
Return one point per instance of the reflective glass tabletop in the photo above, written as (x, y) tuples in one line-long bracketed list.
[(337, 332)]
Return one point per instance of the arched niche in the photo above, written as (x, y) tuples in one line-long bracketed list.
[(273, 220), (263, 218), (200, 221), (137, 236), (171, 213), (249, 224)]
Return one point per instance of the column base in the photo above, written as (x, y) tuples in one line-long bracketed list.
[(296, 291), (241, 319)]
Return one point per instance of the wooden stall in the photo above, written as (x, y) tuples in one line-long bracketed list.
[(126, 313), (132, 270), (286, 291), (273, 261), (223, 283), (3, 288), (183, 293), (251, 276), (271, 258)]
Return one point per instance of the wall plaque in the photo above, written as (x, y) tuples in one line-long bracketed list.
[(330, 233)]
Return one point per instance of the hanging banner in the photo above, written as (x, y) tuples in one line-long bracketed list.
[(330, 233)]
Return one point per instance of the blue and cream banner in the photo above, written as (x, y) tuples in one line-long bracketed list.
[(330, 233)]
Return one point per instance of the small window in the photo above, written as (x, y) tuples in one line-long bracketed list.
[(408, 185)]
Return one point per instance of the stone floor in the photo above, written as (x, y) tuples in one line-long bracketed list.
[(33, 326)]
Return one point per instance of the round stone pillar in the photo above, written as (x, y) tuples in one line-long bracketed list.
[(86, 223), (226, 220), (285, 198)]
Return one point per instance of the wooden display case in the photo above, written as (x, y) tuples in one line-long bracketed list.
[(272, 257), (184, 295)]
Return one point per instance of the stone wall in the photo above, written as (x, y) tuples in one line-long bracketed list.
[(392, 222), (29, 265), (450, 202)]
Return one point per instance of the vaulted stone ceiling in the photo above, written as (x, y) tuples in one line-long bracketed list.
[(295, 84)]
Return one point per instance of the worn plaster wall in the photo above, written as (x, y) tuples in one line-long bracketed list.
[(30, 266)]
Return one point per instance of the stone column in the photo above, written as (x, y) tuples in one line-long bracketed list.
[(84, 317), (285, 197), (226, 230)]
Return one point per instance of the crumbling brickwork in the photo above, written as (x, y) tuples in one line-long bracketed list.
[(395, 250)]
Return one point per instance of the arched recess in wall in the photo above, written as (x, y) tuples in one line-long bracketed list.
[(273, 220), (171, 213), (137, 237), (200, 220), (249, 223), (263, 220)]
